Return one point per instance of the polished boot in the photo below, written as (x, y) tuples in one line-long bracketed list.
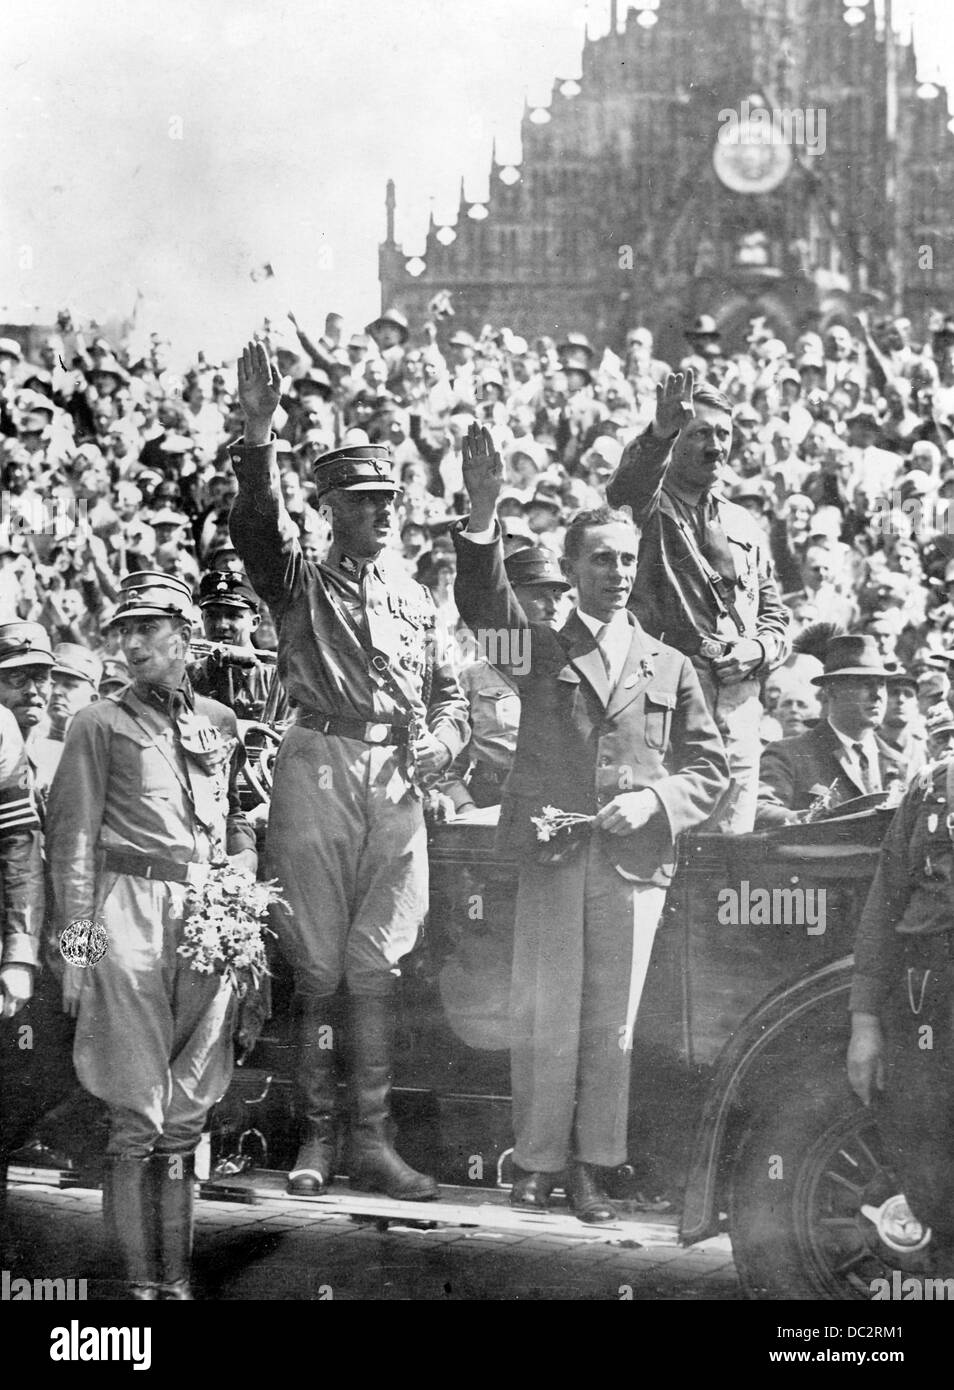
[(314, 1166), (373, 1163), (129, 1202), (586, 1197), (174, 1179), (531, 1191)]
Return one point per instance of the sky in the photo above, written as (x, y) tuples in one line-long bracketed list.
[(169, 150)]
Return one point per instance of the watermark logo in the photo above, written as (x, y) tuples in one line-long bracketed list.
[(911, 1288), (75, 1343), (83, 942), (806, 126), (13, 1290), (27, 515), (774, 907)]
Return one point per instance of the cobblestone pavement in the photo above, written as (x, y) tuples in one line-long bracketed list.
[(289, 1250)]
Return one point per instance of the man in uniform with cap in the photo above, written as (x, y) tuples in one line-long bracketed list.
[(901, 1053), (490, 686), (706, 581), (376, 711), (26, 664), (842, 756), (23, 898), (145, 798), (232, 672), (76, 674)]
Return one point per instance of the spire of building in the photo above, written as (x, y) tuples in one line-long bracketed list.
[(389, 203)]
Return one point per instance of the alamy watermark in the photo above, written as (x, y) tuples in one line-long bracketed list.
[(774, 907), (29, 515), (761, 125)]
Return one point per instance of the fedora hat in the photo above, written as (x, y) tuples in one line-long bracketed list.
[(853, 654)]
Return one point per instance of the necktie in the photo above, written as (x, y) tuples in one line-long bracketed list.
[(604, 651), (715, 543), (869, 781)]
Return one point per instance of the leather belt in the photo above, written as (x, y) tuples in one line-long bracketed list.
[(353, 728), (129, 861)]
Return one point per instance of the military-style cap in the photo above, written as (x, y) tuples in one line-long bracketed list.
[(9, 347), (534, 565), (24, 644), (355, 468), (228, 589), (115, 674), (152, 594), (70, 659)]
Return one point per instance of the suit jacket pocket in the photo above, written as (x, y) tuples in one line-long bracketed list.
[(659, 705)]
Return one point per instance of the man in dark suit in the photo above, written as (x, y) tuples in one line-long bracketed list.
[(614, 726), (842, 756)]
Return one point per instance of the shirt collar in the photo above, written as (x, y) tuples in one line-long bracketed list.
[(867, 741), (618, 621)]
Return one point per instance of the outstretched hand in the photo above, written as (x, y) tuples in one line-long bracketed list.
[(483, 476), (259, 389), (673, 404)]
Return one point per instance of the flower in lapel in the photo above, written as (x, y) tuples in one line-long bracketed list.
[(646, 668)]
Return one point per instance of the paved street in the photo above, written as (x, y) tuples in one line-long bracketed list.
[(280, 1249)]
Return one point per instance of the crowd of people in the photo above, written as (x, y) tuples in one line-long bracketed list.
[(841, 450), (745, 554)]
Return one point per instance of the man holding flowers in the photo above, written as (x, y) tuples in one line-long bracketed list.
[(143, 802)]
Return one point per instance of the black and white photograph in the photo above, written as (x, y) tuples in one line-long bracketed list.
[(476, 660)]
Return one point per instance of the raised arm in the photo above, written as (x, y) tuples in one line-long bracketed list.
[(263, 533), (638, 480), (482, 591)]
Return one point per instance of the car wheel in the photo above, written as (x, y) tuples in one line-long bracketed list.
[(800, 1181)]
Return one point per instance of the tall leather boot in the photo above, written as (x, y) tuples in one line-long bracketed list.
[(174, 1180), (128, 1199), (374, 1164), (316, 1095)]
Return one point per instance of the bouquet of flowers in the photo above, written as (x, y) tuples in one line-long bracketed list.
[(559, 833), (224, 931)]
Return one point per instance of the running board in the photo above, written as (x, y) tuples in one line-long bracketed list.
[(483, 1208)]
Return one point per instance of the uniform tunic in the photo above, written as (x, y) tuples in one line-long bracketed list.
[(904, 973), (674, 601), (21, 924), (153, 1036), (346, 835)]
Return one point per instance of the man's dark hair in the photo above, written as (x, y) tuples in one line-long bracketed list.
[(583, 521), (708, 395)]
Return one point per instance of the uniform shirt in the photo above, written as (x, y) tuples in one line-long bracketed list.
[(21, 862), (125, 782), (494, 705), (912, 887), (321, 661), (672, 597)]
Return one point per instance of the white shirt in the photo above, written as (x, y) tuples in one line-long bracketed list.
[(615, 641), (867, 741), (618, 635)]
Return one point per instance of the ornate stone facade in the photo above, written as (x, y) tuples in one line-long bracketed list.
[(619, 216)]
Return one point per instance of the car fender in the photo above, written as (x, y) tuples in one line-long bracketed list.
[(763, 1045)]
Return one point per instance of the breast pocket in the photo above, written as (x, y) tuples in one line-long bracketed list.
[(142, 767), (658, 705), (497, 709)]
